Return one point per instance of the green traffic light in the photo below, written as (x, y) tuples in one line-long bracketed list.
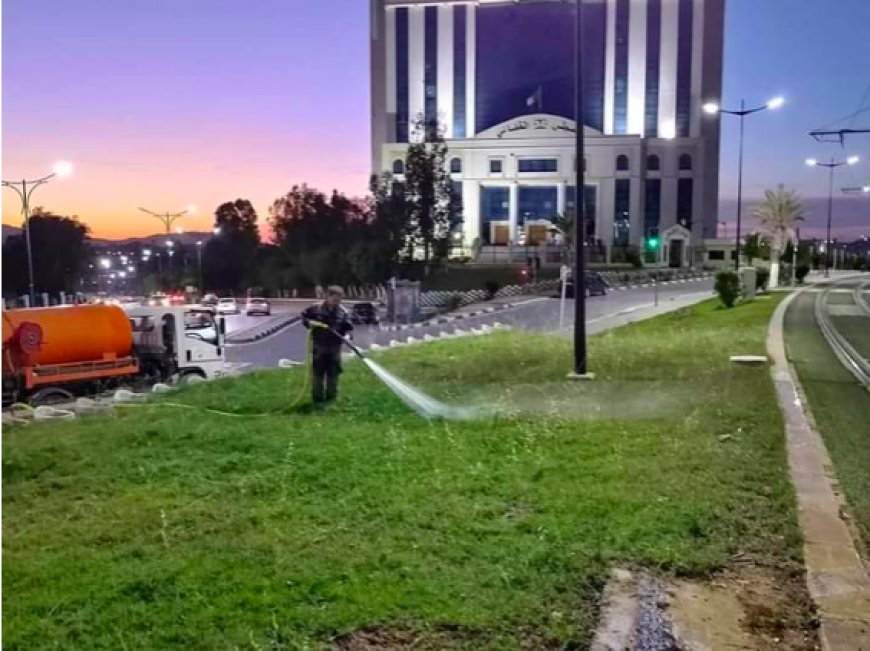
[(652, 243)]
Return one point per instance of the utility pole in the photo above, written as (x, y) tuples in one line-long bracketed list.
[(580, 366), (834, 164), (169, 218)]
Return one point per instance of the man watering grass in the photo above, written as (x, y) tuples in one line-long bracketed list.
[(326, 321)]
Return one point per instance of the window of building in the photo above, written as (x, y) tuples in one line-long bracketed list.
[(402, 74), (653, 164), (685, 162), (493, 207), (685, 190), (620, 73), (523, 46), (536, 203), (652, 205), (590, 196), (684, 67), (398, 166), (716, 255), (430, 64), (621, 216), (496, 165), (459, 65), (537, 165), (653, 58), (622, 163), (455, 165)]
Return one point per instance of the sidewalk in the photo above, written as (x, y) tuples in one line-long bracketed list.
[(836, 577)]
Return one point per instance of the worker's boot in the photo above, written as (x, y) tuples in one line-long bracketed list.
[(317, 396), (331, 387)]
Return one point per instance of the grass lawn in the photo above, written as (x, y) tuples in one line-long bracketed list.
[(162, 527), (840, 406)]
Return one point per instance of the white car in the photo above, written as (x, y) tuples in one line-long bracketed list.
[(227, 306), (258, 306)]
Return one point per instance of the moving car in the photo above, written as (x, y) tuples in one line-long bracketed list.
[(258, 306), (227, 306), (209, 300), (595, 285), (364, 313)]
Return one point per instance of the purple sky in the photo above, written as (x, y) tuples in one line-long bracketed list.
[(164, 103)]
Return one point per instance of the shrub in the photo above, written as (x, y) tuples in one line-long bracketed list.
[(453, 302), (801, 272), (491, 287), (762, 275), (632, 256), (727, 287)]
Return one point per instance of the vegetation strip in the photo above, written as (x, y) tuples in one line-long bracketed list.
[(158, 529)]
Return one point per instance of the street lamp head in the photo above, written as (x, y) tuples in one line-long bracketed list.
[(170, 243), (776, 102), (852, 160), (146, 252), (105, 263), (191, 208), (199, 242), (62, 169), (812, 162), (866, 189), (711, 108), (122, 274), (179, 230), (216, 230)]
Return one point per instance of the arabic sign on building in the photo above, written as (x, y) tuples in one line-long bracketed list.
[(531, 126)]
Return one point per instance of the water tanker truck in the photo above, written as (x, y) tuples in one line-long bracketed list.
[(53, 354)]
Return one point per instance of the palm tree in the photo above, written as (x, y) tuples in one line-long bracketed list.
[(777, 216)]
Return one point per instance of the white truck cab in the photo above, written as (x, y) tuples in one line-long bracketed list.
[(183, 341)]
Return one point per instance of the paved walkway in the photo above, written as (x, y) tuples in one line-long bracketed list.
[(836, 576)]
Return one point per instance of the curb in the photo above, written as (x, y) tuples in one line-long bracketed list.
[(448, 318), (837, 580), (262, 334)]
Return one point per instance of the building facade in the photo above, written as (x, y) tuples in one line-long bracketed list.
[(498, 76)]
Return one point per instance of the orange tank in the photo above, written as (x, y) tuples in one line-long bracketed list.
[(70, 334)]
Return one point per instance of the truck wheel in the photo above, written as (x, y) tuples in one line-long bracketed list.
[(50, 396), (191, 377)]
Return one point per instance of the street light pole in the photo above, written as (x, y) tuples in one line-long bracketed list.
[(834, 164), (61, 170), (169, 218), (712, 108), (199, 264), (580, 367)]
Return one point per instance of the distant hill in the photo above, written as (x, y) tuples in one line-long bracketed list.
[(187, 239), (9, 231)]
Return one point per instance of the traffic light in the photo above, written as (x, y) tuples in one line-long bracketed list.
[(652, 239)]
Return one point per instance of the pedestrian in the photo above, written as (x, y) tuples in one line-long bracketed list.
[(328, 322)]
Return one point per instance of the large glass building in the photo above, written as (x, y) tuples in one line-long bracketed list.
[(498, 76)]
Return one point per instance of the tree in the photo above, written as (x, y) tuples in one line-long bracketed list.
[(229, 258), (60, 255), (778, 215), (754, 246), (433, 207)]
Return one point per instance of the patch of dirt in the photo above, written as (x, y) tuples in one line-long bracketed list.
[(751, 608), (445, 638), (747, 608)]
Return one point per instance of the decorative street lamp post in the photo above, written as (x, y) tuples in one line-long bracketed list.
[(812, 162), (25, 190), (712, 108)]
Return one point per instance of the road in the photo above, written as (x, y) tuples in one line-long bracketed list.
[(240, 322), (537, 314)]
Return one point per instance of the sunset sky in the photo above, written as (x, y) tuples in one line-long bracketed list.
[(165, 103)]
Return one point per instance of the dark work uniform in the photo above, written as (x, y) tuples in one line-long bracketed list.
[(326, 355)]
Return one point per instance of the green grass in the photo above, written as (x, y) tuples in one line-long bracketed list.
[(840, 406), (161, 528)]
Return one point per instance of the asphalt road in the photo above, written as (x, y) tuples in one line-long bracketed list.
[(239, 322), (539, 314)]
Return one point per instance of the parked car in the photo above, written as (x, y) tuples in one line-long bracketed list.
[(595, 285), (227, 306), (209, 300), (158, 299), (364, 313), (258, 306)]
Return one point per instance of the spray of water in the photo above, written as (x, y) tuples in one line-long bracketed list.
[(424, 405)]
